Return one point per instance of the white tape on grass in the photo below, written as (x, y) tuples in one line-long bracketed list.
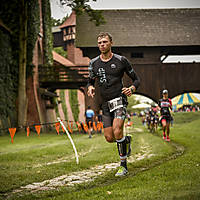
[(76, 154)]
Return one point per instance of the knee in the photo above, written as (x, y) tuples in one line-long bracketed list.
[(109, 139), (117, 132)]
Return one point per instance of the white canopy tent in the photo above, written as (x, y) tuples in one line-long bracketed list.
[(142, 105)]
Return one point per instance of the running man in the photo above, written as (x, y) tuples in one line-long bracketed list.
[(108, 69), (164, 105), (89, 114)]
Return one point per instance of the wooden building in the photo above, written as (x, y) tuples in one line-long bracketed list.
[(146, 37)]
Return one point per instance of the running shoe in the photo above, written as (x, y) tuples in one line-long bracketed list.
[(168, 140), (164, 137), (122, 171), (128, 139)]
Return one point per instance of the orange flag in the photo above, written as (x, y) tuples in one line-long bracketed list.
[(94, 126), (101, 125), (72, 126), (70, 130), (28, 131), (57, 127), (85, 127), (90, 124), (98, 126), (37, 128), (12, 133), (63, 129), (79, 126)]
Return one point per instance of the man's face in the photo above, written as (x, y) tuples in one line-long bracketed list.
[(104, 44), (165, 95)]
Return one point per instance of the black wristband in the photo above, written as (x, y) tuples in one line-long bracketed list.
[(132, 90)]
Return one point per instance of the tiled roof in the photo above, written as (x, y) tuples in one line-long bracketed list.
[(62, 60), (70, 21), (143, 27)]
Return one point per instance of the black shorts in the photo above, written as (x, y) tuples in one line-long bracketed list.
[(108, 116), (166, 117), (88, 120)]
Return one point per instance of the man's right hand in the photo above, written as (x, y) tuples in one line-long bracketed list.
[(90, 91)]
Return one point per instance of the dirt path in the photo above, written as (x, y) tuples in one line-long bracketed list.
[(82, 176), (66, 159)]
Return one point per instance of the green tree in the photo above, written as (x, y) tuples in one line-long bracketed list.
[(73, 99), (58, 22), (22, 100), (60, 51), (82, 6)]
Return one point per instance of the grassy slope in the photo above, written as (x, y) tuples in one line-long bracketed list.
[(175, 179), (178, 179)]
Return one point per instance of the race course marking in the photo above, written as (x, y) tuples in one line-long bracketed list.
[(65, 159), (82, 176)]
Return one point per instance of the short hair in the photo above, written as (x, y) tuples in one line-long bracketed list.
[(104, 34), (89, 107)]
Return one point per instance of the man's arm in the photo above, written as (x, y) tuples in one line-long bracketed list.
[(132, 74), (159, 105), (170, 101), (91, 81)]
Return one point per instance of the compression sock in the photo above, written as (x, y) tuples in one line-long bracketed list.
[(124, 163), (122, 149), (164, 134)]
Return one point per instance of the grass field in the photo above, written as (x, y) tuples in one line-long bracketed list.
[(157, 169)]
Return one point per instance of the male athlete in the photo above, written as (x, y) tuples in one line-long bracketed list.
[(108, 69), (165, 104), (89, 114)]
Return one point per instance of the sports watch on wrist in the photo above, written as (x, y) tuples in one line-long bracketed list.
[(132, 90)]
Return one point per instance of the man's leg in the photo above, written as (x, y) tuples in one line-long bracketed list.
[(168, 130), (109, 135), (122, 142), (164, 127), (89, 128), (108, 129)]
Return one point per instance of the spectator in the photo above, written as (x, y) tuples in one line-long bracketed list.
[(89, 114)]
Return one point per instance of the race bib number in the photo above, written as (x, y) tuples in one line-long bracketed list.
[(115, 104)]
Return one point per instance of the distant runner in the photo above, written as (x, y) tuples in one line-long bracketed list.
[(89, 114), (108, 69), (164, 105)]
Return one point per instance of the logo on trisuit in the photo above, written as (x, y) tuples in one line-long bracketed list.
[(113, 66)]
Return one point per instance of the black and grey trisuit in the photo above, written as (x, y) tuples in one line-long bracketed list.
[(109, 75)]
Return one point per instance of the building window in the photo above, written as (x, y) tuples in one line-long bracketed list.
[(137, 55), (69, 30), (74, 29), (64, 31)]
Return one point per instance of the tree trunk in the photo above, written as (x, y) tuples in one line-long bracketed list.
[(22, 100)]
